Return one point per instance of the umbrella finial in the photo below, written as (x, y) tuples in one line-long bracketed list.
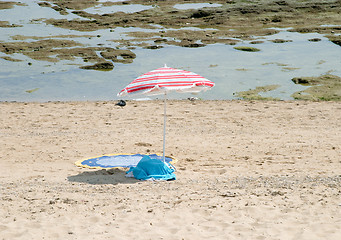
[(165, 65)]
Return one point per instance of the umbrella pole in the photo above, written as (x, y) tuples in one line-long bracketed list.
[(164, 128)]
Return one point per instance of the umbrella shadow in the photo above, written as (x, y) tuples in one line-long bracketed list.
[(112, 176)]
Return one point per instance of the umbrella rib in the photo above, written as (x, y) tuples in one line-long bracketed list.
[(133, 88)]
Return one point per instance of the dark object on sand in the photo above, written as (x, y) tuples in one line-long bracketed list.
[(121, 103)]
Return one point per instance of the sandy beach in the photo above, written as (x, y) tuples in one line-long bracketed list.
[(245, 170)]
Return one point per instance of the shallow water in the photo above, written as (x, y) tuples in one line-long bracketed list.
[(230, 69), (131, 8)]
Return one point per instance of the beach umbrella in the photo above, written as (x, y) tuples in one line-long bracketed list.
[(164, 80)]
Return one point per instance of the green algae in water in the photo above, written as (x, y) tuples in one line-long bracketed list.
[(242, 69), (253, 94), (288, 69), (32, 90), (275, 63), (247, 49), (323, 88)]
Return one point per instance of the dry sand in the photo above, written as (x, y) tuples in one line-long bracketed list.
[(245, 170)]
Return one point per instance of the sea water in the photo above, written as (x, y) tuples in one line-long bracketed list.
[(231, 70)]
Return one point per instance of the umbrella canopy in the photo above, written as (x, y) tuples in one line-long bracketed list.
[(165, 79)]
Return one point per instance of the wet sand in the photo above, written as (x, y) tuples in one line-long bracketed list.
[(245, 170)]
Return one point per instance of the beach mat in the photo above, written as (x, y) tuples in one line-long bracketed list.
[(118, 161)]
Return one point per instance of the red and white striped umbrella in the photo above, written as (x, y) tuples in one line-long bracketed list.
[(165, 79)]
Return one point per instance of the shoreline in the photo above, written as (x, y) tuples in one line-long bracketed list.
[(113, 101)]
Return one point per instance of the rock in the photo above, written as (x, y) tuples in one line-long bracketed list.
[(314, 39), (247, 49), (122, 56), (44, 4), (326, 88), (160, 40), (106, 66), (280, 41), (200, 14), (336, 41), (190, 43), (305, 80), (153, 47)]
